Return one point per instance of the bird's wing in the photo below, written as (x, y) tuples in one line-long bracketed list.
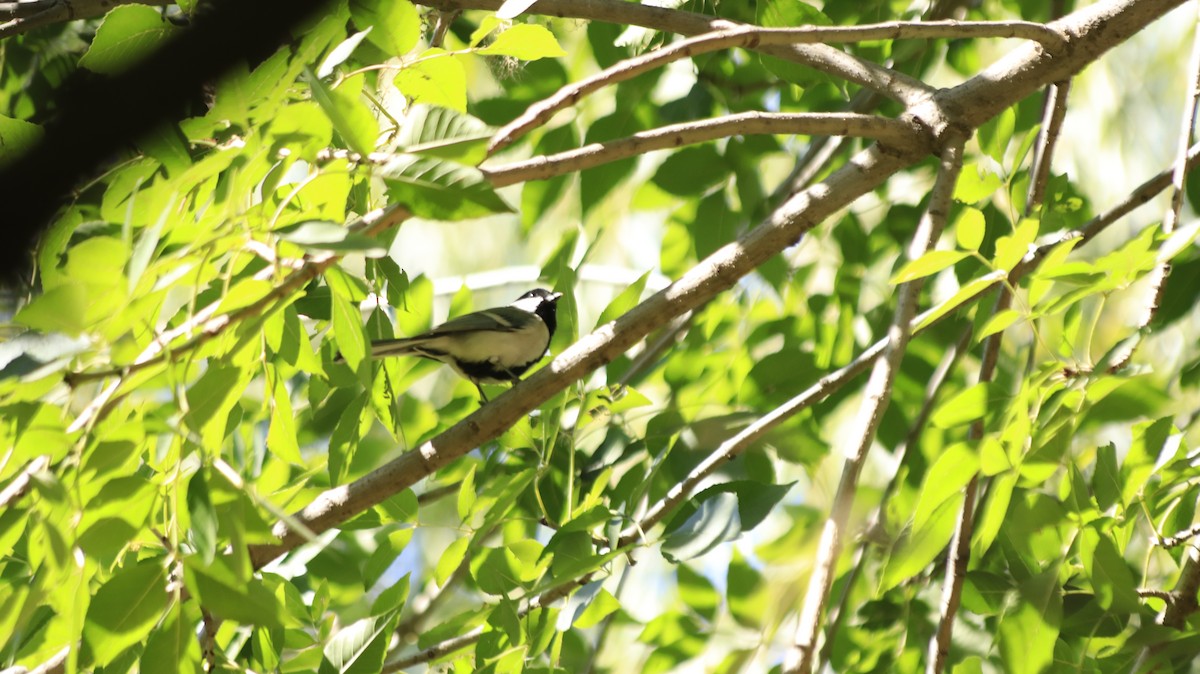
[(500, 319)]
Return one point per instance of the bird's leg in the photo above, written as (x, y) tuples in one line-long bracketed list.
[(483, 399)]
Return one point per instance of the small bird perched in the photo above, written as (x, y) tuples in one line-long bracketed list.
[(490, 346)]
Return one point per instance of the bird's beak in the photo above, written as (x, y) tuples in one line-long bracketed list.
[(554, 297)]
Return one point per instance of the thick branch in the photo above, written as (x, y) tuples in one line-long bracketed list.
[(688, 133)]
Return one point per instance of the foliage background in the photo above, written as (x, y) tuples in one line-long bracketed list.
[(170, 394)]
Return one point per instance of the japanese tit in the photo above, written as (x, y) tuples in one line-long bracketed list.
[(486, 347)]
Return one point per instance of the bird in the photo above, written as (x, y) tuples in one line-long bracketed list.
[(491, 346)]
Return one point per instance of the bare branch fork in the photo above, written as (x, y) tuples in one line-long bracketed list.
[(754, 37)]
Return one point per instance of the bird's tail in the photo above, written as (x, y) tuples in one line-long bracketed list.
[(392, 347), (396, 347)]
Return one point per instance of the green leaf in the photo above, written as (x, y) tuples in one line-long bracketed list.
[(1111, 578), (225, 593), (714, 522), (965, 407), (692, 170), (1029, 630), (203, 516), (350, 118), (697, 592), (970, 290), (435, 78), (392, 598), (1011, 249), (440, 190), (929, 263), (451, 559), (60, 309), (212, 396), (348, 330), (602, 605), (444, 133), (281, 433), (323, 235), (173, 646), (340, 53), (302, 127), (948, 475), (127, 35), (917, 550), (575, 605), (344, 441), (623, 302), (361, 647), (395, 25), (969, 228), (790, 14), (124, 609), (466, 495), (976, 183), (16, 136), (747, 593), (524, 41), (998, 323)]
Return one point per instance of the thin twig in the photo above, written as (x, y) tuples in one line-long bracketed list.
[(1158, 277), (1052, 120), (960, 542), (20, 484), (688, 133), (932, 391), (1178, 538), (878, 393), (467, 638)]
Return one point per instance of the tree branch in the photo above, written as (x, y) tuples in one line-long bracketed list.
[(932, 390), (1158, 278), (1052, 119), (467, 638), (1093, 30), (875, 400), (753, 37), (30, 15), (20, 484), (835, 62), (688, 133)]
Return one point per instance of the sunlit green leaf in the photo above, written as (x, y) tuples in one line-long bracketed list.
[(524, 41), (127, 35)]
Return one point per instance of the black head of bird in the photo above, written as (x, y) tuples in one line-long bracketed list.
[(487, 347)]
